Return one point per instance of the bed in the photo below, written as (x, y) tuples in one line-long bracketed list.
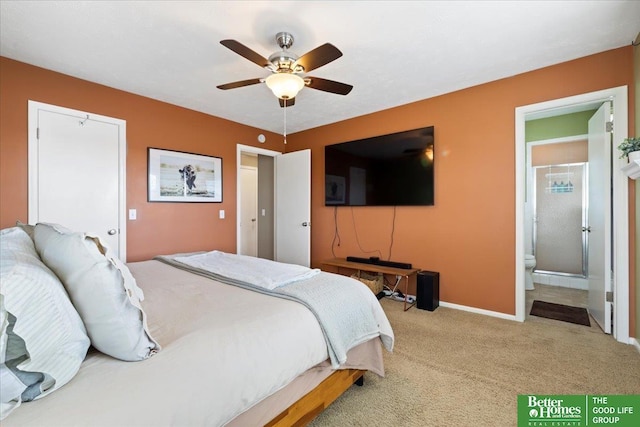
[(215, 352)]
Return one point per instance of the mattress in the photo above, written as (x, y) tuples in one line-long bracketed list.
[(226, 351)]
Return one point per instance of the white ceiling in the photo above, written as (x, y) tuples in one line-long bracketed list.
[(394, 52)]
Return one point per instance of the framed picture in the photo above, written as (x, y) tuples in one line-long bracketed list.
[(334, 190), (175, 176)]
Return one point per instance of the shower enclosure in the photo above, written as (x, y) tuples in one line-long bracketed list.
[(560, 206)]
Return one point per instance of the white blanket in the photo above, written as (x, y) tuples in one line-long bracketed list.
[(260, 272), (346, 309)]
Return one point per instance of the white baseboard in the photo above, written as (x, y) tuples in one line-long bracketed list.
[(478, 310), (634, 342)]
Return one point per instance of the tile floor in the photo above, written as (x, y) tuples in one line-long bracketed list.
[(558, 295)]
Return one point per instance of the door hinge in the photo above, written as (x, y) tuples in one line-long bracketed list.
[(609, 126), (37, 133), (608, 296)]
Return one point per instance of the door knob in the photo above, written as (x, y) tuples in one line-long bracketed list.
[(112, 232), (306, 224)]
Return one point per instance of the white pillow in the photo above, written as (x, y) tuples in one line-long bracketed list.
[(42, 338), (27, 228), (101, 288)]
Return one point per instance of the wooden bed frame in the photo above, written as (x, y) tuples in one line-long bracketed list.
[(313, 403)]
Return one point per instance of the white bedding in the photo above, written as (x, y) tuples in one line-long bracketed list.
[(348, 313), (224, 350), (260, 272)]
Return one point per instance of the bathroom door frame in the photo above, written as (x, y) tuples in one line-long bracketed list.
[(620, 232)]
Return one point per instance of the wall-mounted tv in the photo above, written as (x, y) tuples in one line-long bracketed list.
[(388, 170)]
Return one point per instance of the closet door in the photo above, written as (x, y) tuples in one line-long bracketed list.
[(76, 172)]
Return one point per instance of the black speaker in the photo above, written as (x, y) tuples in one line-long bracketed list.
[(428, 290)]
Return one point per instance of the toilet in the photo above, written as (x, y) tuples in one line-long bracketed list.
[(529, 265)]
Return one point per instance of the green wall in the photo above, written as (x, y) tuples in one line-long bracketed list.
[(558, 126)]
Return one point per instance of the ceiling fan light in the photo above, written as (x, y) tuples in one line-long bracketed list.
[(285, 85)]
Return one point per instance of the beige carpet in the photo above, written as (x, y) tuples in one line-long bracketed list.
[(454, 368)]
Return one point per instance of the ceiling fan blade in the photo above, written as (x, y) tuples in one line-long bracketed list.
[(241, 83), (245, 52), (318, 57), (328, 85), (290, 102)]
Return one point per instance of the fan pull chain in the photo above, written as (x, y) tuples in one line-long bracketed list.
[(285, 121)]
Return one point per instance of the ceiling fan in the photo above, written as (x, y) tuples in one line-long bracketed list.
[(285, 81)]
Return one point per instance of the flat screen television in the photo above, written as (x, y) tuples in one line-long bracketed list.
[(388, 170)]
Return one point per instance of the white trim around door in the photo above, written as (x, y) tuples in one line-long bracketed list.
[(620, 233)]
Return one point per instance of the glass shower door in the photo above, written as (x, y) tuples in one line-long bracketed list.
[(560, 208)]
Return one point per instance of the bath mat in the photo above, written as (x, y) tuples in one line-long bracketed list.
[(566, 313)]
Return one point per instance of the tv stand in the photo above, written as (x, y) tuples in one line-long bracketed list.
[(410, 275)]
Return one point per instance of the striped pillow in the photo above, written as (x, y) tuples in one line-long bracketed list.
[(43, 340)]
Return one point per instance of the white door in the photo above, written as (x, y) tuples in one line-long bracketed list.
[(599, 217), (249, 211), (76, 172), (293, 208)]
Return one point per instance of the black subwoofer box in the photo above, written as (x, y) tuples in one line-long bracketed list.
[(428, 290)]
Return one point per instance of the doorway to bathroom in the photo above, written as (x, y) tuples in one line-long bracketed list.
[(562, 218), (612, 260)]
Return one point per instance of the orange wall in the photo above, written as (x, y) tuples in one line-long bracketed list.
[(557, 154), (160, 227), (469, 235)]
